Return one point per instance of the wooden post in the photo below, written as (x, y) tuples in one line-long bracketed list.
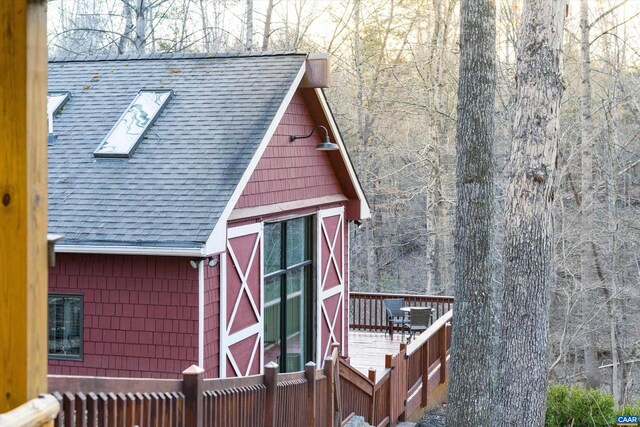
[(425, 372), (23, 202), (393, 386), (372, 409), (443, 353), (337, 401), (271, 383), (328, 372), (193, 399), (310, 375)]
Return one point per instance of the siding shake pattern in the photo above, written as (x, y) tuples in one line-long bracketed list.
[(140, 314)]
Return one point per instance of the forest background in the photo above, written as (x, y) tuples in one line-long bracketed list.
[(393, 91)]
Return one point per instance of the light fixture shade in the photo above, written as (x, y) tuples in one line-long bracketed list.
[(194, 263), (327, 146)]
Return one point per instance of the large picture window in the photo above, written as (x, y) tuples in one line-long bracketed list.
[(288, 297), (65, 326)]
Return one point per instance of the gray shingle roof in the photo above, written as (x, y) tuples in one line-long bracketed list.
[(173, 189)]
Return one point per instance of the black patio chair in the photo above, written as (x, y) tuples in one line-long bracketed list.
[(419, 320), (395, 316)]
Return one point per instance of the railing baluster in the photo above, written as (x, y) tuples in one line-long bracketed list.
[(81, 410), (68, 400)]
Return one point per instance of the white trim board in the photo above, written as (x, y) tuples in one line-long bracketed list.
[(259, 211), (201, 267), (217, 239), (128, 250)]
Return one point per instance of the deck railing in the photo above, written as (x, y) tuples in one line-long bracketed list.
[(366, 310), (306, 398), (314, 397), (406, 385)]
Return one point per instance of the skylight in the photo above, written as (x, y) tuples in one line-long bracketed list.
[(133, 124), (55, 102)]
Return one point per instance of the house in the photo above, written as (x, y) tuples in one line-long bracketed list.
[(197, 229)]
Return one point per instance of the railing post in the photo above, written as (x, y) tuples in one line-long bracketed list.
[(192, 380), (23, 202), (310, 375), (271, 383), (331, 385), (393, 386), (443, 353), (425, 373), (372, 409)]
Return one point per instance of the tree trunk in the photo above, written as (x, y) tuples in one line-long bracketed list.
[(470, 383), (616, 304), (206, 33), (521, 388), (249, 18), (371, 268), (587, 273), (267, 26), (140, 26), (125, 38), (151, 29)]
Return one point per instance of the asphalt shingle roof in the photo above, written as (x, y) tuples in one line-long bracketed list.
[(173, 189)]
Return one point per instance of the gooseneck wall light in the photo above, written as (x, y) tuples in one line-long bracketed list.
[(325, 145)]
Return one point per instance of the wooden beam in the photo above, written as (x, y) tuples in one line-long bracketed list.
[(317, 71), (23, 202)]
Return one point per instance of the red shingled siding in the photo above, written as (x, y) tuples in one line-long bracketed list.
[(211, 321), (291, 171), (140, 314)]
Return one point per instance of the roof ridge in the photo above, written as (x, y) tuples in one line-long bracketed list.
[(171, 55)]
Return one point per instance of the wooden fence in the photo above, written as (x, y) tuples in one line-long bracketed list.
[(366, 310), (307, 398), (328, 396)]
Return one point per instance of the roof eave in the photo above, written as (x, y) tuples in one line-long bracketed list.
[(108, 249)]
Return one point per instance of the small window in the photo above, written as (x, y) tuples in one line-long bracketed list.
[(65, 326), (55, 102), (133, 124)]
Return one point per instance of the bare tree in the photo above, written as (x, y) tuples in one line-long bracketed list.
[(471, 375), (521, 388), (267, 25)]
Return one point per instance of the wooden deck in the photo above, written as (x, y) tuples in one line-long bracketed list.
[(368, 350)]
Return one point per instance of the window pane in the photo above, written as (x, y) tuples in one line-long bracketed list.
[(296, 312), (297, 241), (133, 123), (272, 247), (272, 320), (295, 281), (272, 290), (65, 325)]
